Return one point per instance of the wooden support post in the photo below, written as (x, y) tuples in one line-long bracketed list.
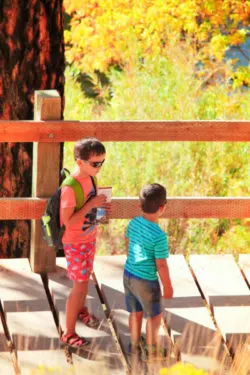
[(45, 180)]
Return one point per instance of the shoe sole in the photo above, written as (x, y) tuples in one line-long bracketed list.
[(63, 344)]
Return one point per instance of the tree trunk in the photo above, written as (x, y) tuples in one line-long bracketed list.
[(31, 58)]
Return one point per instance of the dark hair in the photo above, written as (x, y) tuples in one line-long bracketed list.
[(85, 147), (152, 197)]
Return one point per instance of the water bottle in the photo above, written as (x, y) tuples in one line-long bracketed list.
[(100, 214)]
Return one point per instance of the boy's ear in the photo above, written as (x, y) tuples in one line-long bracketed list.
[(161, 209), (78, 162)]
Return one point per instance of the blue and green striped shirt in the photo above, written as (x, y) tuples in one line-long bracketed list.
[(147, 242)]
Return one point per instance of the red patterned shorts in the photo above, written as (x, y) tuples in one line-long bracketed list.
[(80, 260)]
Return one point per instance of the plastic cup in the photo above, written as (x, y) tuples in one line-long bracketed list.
[(102, 214)]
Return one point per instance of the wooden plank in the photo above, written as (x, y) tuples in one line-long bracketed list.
[(188, 207), (31, 360), (227, 294), (3, 340), (103, 347), (109, 273), (189, 321), (244, 262), (126, 208), (6, 364), (22, 208), (45, 180), (28, 315), (88, 366), (6, 359), (61, 131)]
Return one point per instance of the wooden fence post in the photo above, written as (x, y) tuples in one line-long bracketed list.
[(45, 177)]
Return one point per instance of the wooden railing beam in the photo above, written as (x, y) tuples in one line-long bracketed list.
[(114, 131), (126, 208)]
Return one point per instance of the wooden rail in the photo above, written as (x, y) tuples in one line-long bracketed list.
[(62, 131), (47, 131), (126, 208)]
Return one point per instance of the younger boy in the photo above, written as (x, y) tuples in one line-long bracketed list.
[(147, 250), (80, 235)]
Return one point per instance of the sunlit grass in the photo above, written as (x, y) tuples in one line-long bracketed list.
[(168, 89)]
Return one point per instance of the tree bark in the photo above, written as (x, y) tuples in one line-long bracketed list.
[(31, 58)]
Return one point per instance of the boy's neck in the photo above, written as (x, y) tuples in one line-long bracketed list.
[(79, 173), (151, 217)]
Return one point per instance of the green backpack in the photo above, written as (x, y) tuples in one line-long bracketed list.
[(50, 223)]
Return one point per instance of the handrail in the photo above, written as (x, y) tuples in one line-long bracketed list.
[(126, 208), (123, 131)]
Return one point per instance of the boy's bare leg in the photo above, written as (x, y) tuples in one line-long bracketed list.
[(74, 304), (135, 323), (152, 329)]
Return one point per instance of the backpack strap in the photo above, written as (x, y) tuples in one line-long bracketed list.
[(76, 186), (94, 182)]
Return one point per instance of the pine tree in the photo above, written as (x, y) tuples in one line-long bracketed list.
[(31, 58)]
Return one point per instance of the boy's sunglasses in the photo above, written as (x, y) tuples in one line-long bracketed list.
[(94, 164)]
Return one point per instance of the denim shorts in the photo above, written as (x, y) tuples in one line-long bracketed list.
[(142, 295)]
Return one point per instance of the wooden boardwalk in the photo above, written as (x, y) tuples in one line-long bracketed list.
[(204, 324)]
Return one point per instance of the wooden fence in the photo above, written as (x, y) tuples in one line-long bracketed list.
[(47, 131)]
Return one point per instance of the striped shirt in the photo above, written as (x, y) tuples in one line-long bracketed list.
[(147, 242)]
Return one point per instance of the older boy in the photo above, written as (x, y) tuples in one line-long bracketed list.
[(80, 235), (147, 250)]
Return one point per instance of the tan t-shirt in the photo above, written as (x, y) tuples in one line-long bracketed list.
[(85, 230)]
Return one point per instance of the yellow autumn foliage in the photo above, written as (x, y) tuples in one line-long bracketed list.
[(109, 32)]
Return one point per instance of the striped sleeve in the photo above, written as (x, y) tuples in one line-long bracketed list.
[(161, 246), (127, 231)]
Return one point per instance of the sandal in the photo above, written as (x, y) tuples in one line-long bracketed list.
[(72, 339), (154, 351), (137, 348), (89, 319)]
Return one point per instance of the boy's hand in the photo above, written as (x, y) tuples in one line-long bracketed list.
[(107, 207), (168, 292), (98, 201)]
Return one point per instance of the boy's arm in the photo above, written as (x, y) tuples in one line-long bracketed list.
[(127, 239), (70, 217), (126, 245), (163, 271)]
